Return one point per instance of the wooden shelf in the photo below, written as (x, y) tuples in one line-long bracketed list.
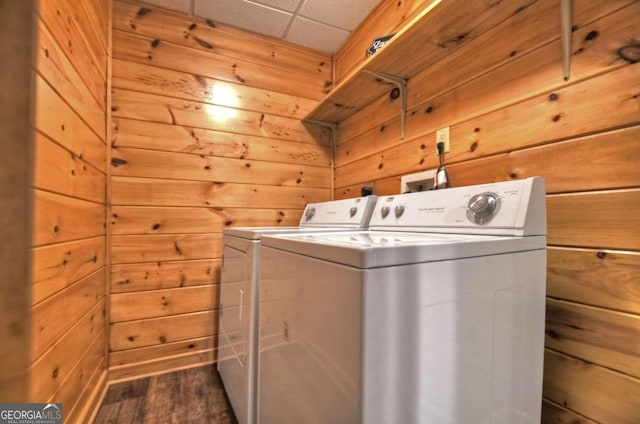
[(439, 29)]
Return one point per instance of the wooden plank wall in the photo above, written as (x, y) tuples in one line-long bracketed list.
[(207, 134), (512, 116), (68, 323)]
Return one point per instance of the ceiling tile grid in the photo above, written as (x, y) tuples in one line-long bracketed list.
[(319, 24)]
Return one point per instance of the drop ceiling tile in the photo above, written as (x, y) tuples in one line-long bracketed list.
[(316, 35), (183, 6), (243, 14), (286, 5), (339, 13)]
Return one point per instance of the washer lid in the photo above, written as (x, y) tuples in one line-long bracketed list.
[(372, 249), (256, 233)]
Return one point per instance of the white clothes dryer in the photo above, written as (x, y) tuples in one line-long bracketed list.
[(239, 294), (433, 315)]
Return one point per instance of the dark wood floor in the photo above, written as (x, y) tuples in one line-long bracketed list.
[(194, 395)]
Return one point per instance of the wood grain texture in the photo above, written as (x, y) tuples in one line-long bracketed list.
[(175, 138), (153, 331), (210, 64), (59, 19), (61, 171), (57, 314), (597, 393), (606, 219), (188, 166), (60, 218), (60, 123), (60, 265), (164, 275), (151, 79), (57, 70), (165, 220), (608, 279), (161, 352), (164, 247), (157, 192), (554, 414), (208, 36), (161, 303), (52, 369), (162, 365), (162, 109), (607, 338)]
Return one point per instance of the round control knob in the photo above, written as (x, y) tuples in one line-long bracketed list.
[(482, 205), (309, 213), (385, 211), (398, 211), (353, 211)]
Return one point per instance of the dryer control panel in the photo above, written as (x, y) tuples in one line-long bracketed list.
[(504, 208), (348, 213)]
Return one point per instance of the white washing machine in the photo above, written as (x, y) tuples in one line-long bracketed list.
[(239, 294), (434, 315)]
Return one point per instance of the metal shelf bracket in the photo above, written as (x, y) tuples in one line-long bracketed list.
[(566, 27), (401, 83)]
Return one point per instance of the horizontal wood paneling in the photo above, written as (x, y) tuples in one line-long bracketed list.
[(167, 110), (188, 166), (153, 331), (207, 134), (508, 129), (151, 79), (599, 336), (58, 71), (58, 266), (175, 138), (164, 247), (604, 219), (60, 218), (156, 192), (607, 279), (200, 34), (63, 172), (600, 394), (553, 414), (160, 303), (134, 48), (53, 367), (59, 122), (164, 275), (161, 351), (58, 16), (56, 315), (68, 282), (158, 220)]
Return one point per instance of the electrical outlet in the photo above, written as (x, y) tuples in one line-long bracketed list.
[(442, 136)]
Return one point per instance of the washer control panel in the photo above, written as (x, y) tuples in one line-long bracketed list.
[(497, 208)]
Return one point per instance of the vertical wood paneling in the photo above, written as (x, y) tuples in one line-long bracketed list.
[(207, 134), (69, 280), (512, 116)]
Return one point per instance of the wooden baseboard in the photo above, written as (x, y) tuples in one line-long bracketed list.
[(122, 373), (89, 403)]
